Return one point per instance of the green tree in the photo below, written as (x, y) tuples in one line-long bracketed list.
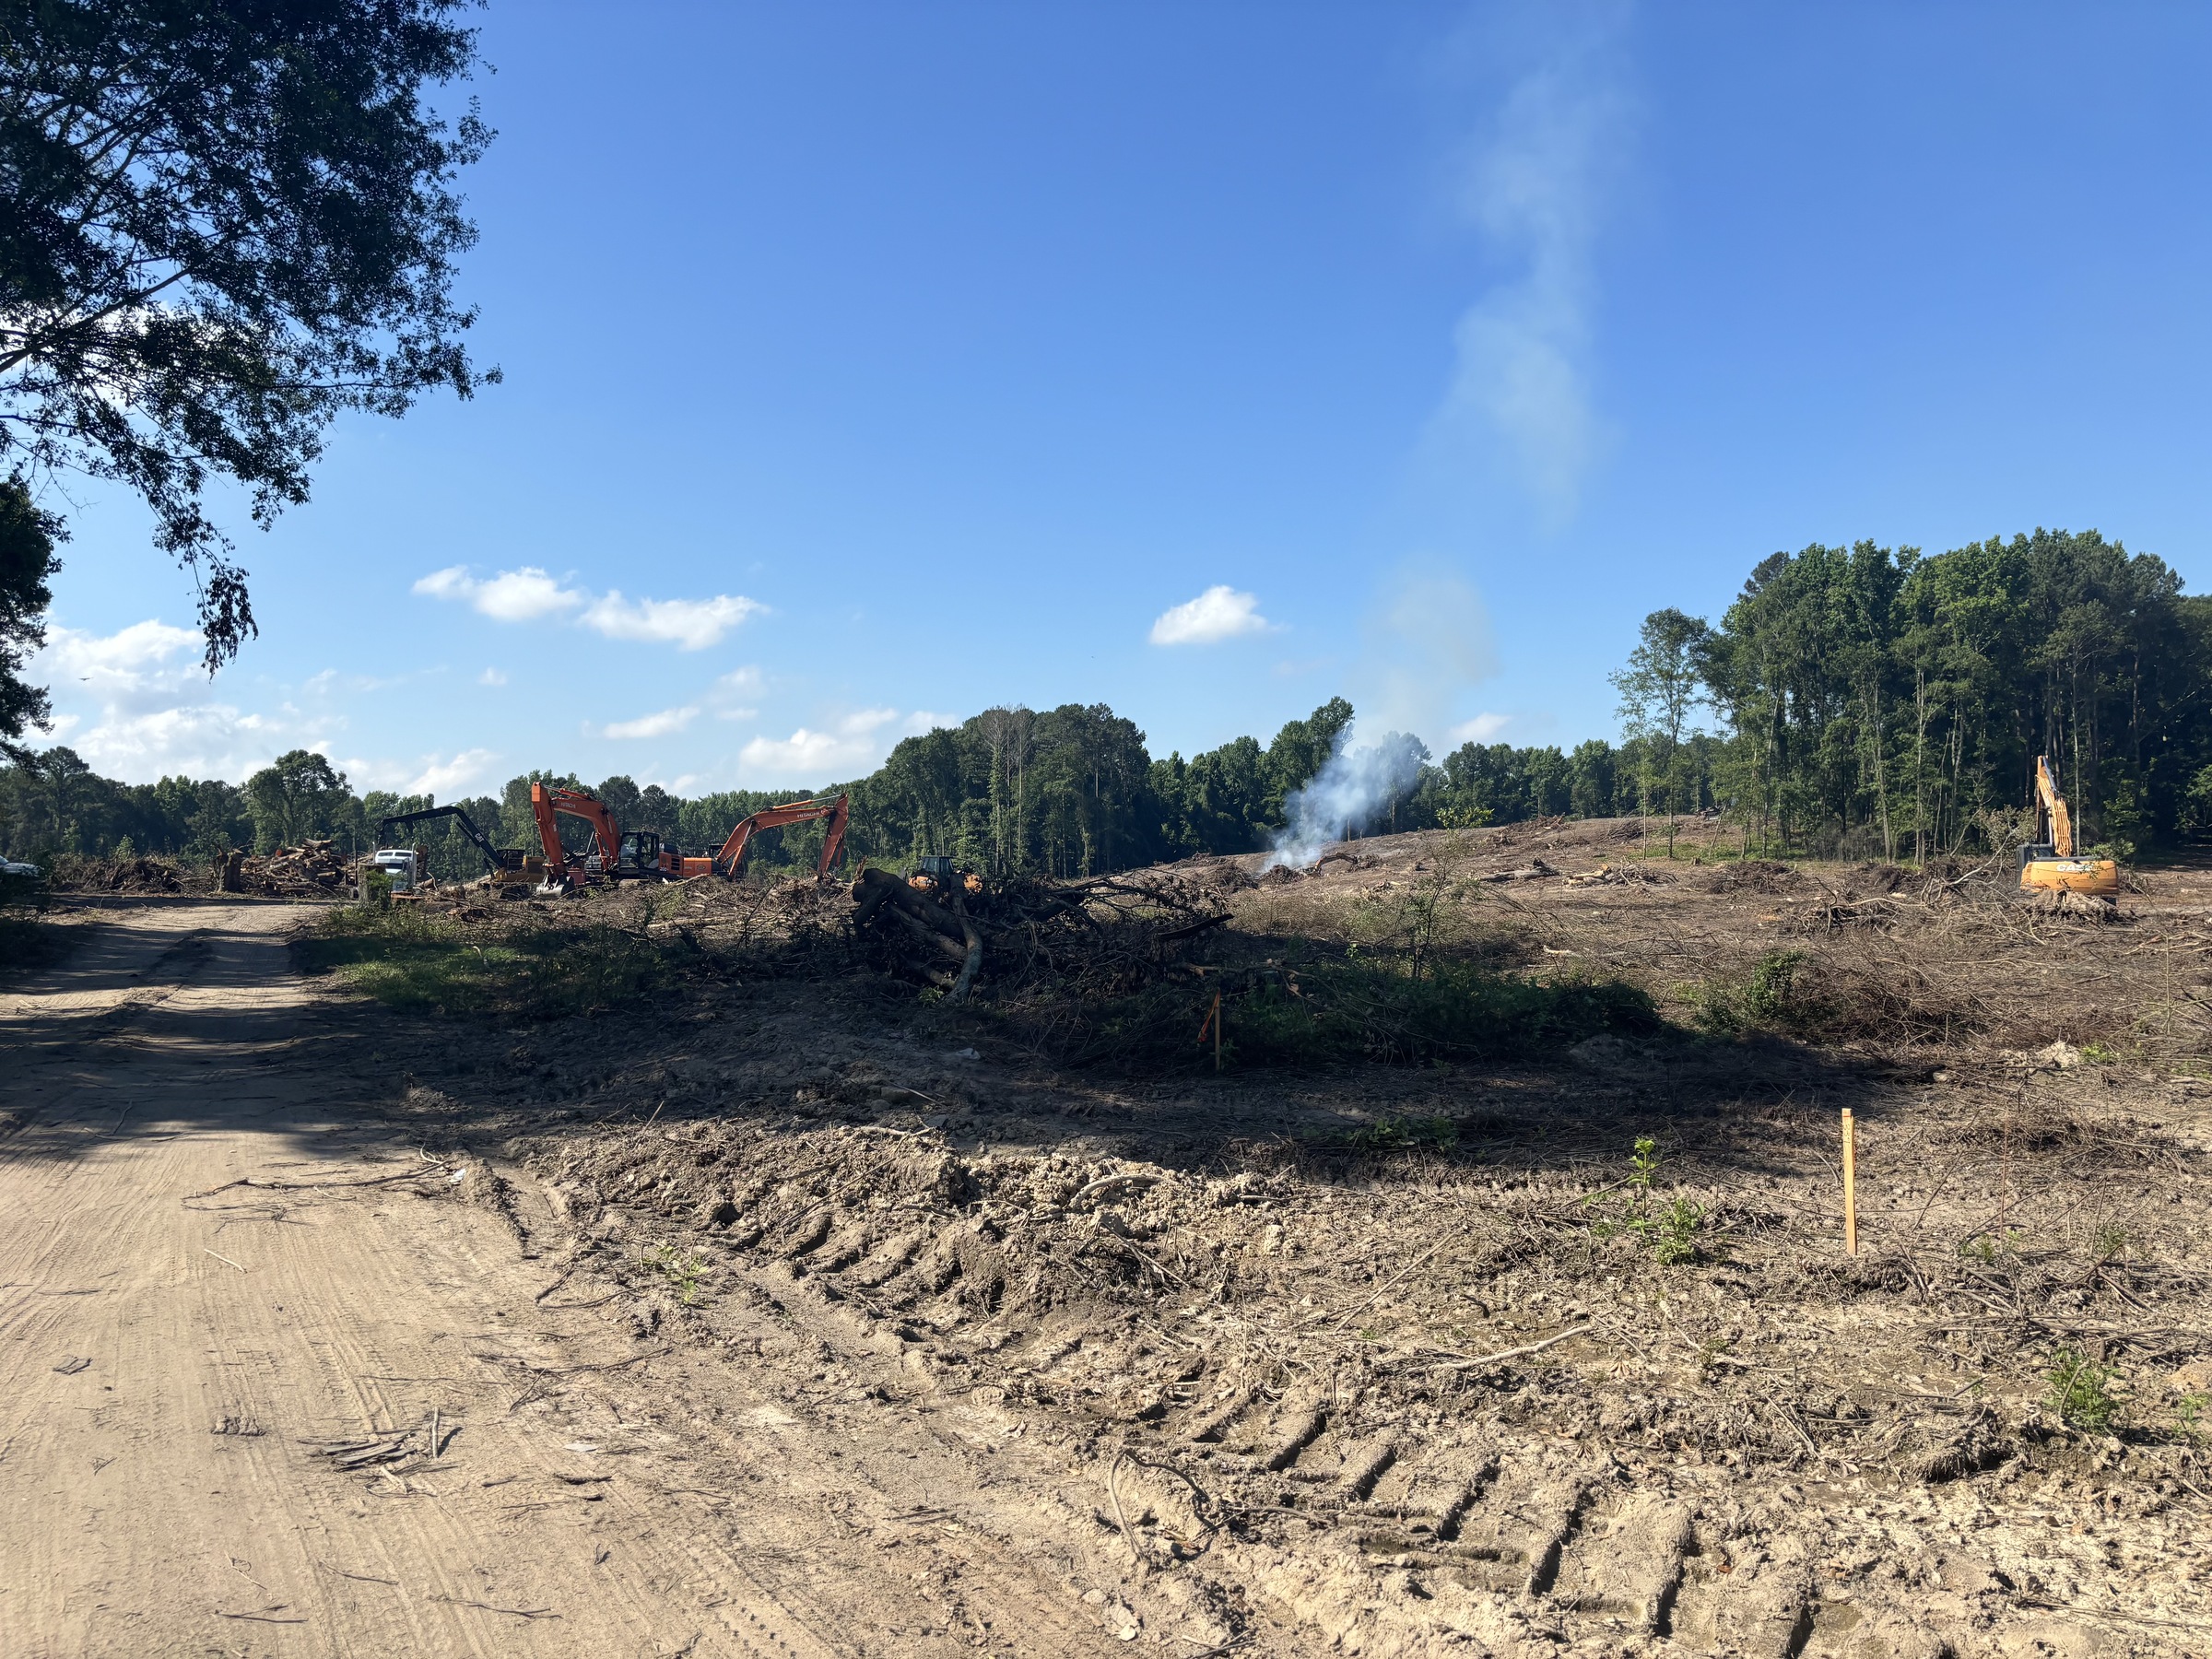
[(1661, 689), (27, 565), (227, 222), (297, 796)]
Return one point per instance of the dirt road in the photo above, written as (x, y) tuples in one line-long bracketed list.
[(221, 1260)]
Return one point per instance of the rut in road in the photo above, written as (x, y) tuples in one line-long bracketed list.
[(223, 1263)]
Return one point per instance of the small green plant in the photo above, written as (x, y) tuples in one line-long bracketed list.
[(2189, 1417), (2096, 1054), (685, 1271), (2109, 1244), (1670, 1231), (1987, 1247), (1673, 1233), (2081, 1392)]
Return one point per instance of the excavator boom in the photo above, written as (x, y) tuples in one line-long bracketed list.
[(549, 803), (731, 859), (495, 860), (2054, 809)]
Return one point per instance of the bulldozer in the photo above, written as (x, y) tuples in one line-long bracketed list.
[(2050, 867)]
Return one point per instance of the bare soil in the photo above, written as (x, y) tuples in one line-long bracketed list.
[(790, 1313)]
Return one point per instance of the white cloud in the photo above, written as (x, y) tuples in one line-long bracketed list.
[(1536, 185), (651, 726), (687, 624), (528, 593), (743, 681), (117, 659), (492, 677), (518, 595), (446, 778), (854, 744), (1481, 729), (145, 708), (1220, 612)]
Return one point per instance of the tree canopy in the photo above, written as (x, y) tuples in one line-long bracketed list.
[(223, 222)]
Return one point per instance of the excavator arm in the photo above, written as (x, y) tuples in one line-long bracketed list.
[(492, 861), (731, 859), (547, 804), (2054, 809)]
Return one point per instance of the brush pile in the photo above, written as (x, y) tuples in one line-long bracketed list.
[(1107, 934), (74, 873)]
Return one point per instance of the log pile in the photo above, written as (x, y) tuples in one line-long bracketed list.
[(1109, 934), (307, 871)]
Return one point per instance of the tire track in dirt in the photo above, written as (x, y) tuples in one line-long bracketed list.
[(163, 1361)]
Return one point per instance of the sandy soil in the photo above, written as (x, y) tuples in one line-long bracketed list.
[(222, 1256), (788, 1315)]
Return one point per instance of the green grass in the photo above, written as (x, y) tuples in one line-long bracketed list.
[(522, 970)]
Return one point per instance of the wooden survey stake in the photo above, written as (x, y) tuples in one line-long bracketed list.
[(1851, 1195)]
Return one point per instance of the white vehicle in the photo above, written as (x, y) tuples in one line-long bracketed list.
[(400, 866), (8, 867)]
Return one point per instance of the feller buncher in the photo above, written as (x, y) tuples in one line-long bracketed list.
[(641, 855), (2050, 867)]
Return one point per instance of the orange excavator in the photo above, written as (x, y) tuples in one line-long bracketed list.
[(641, 855), (2050, 867)]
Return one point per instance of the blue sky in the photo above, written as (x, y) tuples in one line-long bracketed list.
[(1204, 360)]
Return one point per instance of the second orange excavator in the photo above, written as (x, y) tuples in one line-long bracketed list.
[(641, 855)]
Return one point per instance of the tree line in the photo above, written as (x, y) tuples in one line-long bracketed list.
[(1873, 701), (1068, 792), (1863, 701)]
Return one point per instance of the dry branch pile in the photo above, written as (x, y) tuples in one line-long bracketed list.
[(1109, 934)]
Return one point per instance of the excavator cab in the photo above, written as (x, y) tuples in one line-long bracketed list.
[(640, 857)]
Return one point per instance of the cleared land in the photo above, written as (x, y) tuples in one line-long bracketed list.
[(757, 1305)]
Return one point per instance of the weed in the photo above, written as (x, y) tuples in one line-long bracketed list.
[(2109, 1244), (2081, 1392), (2189, 1419), (2096, 1054), (1669, 1230), (685, 1271)]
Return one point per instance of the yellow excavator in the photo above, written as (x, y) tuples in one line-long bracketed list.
[(2050, 867)]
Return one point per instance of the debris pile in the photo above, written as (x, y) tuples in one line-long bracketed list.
[(313, 868), (1110, 933), (73, 874)]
